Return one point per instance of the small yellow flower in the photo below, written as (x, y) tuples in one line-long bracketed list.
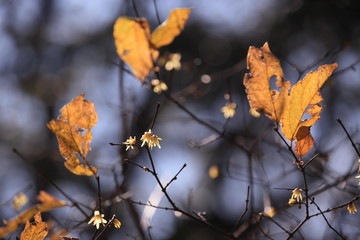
[(229, 110), (170, 61), (159, 86), (214, 171), (351, 208), (150, 139), (358, 176), (297, 194), (292, 201), (97, 219), (254, 113), (19, 200), (270, 211), (117, 223), (130, 143)]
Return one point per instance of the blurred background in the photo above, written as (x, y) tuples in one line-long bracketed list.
[(53, 51)]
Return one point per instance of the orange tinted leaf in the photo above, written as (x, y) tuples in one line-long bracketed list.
[(58, 235), (304, 98), (55, 231), (72, 129), (172, 27), (74, 165), (132, 45), (36, 230), (138, 48), (48, 202), (19, 219), (304, 141), (263, 65)]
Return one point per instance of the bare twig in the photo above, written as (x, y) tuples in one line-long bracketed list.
[(73, 202), (348, 135), (244, 212), (175, 177), (157, 12), (327, 222)]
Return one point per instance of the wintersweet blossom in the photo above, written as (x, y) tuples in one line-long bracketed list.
[(130, 143), (292, 201), (270, 211), (116, 223), (97, 219), (159, 86), (296, 194), (173, 62), (254, 113), (351, 208), (19, 200), (150, 139), (229, 110)]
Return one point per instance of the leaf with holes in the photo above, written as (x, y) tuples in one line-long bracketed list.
[(72, 129), (36, 230), (263, 65)]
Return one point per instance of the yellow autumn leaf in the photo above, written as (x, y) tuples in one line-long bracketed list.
[(305, 98), (137, 47), (47, 203), (55, 231), (133, 46), (304, 141), (263, 65), (291, 104), (172, 27), (72, 129), (36, 230), (19, 219)]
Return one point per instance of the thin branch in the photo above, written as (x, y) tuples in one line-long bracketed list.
[(175, 177), (157, 12), (105, 228), (296, 228), (135, 9), (278, 224), (347, 68), (327, 222), (209, 126), (348, 135), (311, 159), (287, 145), (244, 212), (175, 208), (155, 115), (73, 202)]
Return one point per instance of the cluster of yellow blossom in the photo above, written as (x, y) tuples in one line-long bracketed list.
[(296, 196), (351, 208), (19, 200), (171, 61), (159, 86), (98, 219), (229, 110), (148, 138)]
